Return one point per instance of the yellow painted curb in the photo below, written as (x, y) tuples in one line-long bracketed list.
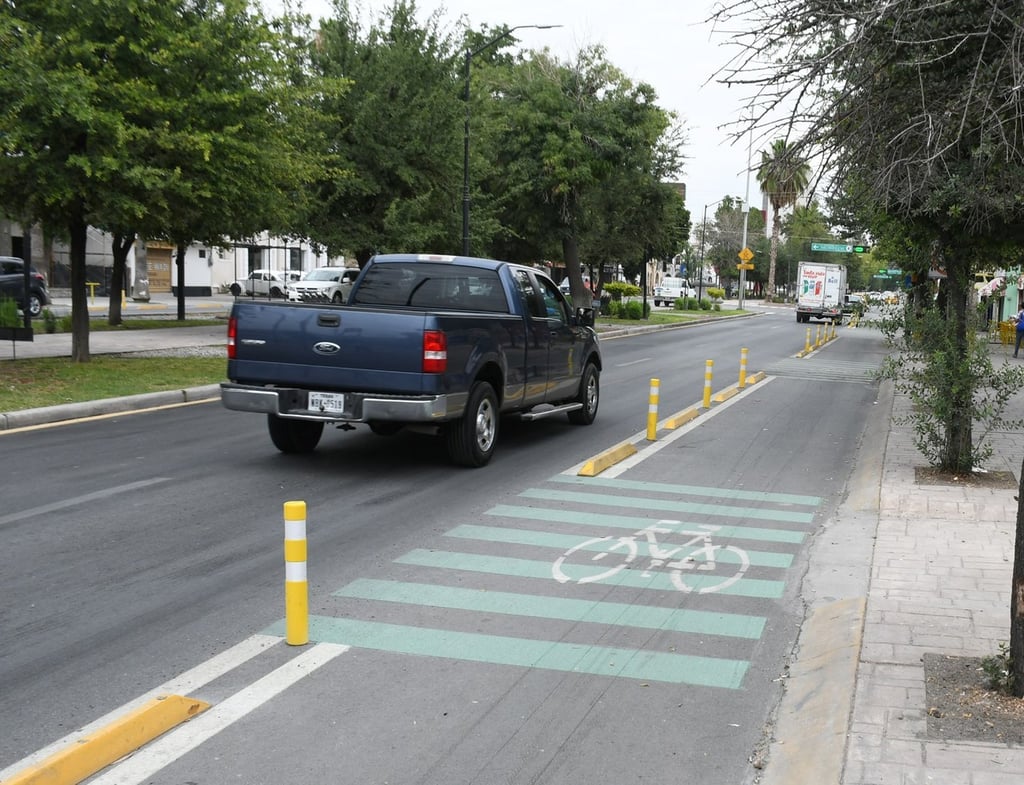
[(754, 378), (609, 457), (726, 394), (89, 754), (682, 418)]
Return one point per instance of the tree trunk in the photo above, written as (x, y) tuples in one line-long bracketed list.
[(773, 252), (78, 230), (180, 263), (120, 247), (571, 252), (1017, 597), (959, 448)]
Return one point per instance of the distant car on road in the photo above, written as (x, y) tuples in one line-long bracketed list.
[(671, 289), (270, 283), (12, 285), (323, 285)]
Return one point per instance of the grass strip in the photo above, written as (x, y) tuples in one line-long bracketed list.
[(49, 381)]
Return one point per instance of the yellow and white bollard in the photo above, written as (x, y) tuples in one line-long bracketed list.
[(296, 586), (817, 338), (708, 365), (743, 368), (652, 410), (807, 341)]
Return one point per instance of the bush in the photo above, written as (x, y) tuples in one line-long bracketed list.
[(620, 289), (9, 313), (705, 305), (49, 321), (634, 310), (716, 293)]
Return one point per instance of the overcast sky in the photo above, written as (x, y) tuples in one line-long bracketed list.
[(661, 42)]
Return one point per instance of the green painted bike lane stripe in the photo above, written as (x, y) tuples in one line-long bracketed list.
[(690, 490), (636, 523), (563, 542), (526, 653), (669, 505), (635, 578), (546, 607)]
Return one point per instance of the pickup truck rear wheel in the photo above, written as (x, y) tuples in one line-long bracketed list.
[(294, 436), (590, 396), (471, 439)]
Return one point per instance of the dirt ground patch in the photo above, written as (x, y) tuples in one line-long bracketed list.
[(929, 475), (962, 706)]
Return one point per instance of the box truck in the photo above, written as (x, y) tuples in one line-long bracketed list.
[(820, 291)]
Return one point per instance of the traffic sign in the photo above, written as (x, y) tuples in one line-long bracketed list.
[(744, 266), (832, 247), (746, 255)]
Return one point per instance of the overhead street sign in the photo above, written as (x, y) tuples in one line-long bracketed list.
[(832, 247), (840, 248)]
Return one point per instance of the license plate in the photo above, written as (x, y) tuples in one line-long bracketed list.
[(327, 402)]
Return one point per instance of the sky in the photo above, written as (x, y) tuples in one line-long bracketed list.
[(663, 43)]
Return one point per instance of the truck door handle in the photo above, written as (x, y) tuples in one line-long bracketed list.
[(328, 320)]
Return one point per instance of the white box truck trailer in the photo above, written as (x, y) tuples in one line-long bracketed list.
[(820, 291)]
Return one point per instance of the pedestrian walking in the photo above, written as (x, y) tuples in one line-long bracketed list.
[(1019, 319)]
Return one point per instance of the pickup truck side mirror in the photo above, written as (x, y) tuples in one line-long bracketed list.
[(585, 316)]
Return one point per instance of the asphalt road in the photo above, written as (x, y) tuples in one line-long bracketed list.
[(134, 549)]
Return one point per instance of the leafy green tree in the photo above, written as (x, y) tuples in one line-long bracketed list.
[(581, 155), (166, 118), (398, 182), (783, 176)]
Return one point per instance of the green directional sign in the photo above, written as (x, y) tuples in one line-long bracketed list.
[(832, 247)]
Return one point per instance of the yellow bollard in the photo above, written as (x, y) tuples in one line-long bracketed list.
[(707, 383), (817, 337), (652, 411), (807, 341), (296, 586), (743, 368)]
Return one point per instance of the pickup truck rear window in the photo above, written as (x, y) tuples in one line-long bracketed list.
[(443, 287)]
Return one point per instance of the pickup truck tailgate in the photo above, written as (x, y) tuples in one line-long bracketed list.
[(329, 348)]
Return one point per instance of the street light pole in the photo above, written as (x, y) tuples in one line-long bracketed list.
[(470, 53)]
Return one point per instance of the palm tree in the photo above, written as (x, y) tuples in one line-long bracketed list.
[(783, 175)]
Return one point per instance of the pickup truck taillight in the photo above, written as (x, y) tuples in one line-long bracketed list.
[(232, 334), (435, 351)]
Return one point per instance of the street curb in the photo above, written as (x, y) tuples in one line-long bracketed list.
[(88, 755), (810, 736), (27, 418)]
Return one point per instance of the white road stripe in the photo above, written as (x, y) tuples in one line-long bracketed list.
[(84, 499), (171, 746)]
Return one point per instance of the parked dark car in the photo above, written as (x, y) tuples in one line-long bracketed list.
[(12, 285)]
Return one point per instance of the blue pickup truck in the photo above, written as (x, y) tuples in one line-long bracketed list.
[(449, 343)]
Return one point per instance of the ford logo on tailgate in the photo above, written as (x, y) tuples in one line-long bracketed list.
[(326, 347)]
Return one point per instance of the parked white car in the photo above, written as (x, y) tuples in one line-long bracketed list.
[(671, 289), (324, 285), (270, 283)]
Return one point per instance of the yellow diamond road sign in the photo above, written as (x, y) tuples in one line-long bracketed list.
[(746, 254)]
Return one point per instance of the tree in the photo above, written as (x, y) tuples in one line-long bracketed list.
[(163, 118), (783, 176), (918, 106), (397, 109), (581, 157)]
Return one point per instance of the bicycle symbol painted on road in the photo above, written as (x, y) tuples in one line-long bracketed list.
[(726, 563)]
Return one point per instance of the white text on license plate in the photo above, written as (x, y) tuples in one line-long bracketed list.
[(326, 402)]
